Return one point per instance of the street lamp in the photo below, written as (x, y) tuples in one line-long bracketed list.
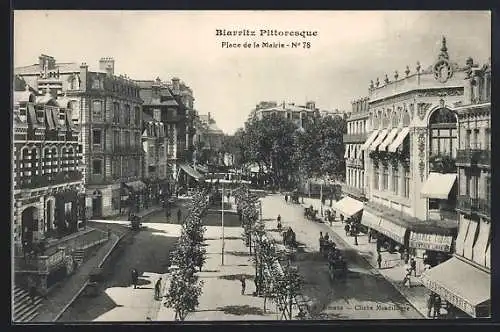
[(222, 224)]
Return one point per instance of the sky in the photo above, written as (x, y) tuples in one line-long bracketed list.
[(350, 49)]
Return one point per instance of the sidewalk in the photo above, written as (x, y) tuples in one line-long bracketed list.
[(393, 269), (221, 297), (61, 298)]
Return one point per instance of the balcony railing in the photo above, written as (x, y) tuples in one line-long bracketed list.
[(467, 204), (39, 181), (468, 157), (484, 207), (355, 138), (358, 192), (442, 163)]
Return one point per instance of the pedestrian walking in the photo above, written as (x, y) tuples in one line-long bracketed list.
[(135, 277), (346, 228), (158, 289), (407, 256), (407, 277), (179, 215), (109, 233), (321, 242), (286, 198), (437, 306), (243, 285), (369, 236), (326, 238), (278, 219), (413, 266), (379, 260), (430, 304)]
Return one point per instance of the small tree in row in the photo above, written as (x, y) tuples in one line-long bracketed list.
[(185, 286)]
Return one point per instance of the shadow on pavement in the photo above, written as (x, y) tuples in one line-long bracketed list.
[(239, 253), (95, 306), (241, 310), (236, 276)]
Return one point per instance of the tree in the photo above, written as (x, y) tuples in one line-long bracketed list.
[(184, 292)]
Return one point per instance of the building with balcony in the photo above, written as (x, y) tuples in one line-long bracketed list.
[(354, 139), (208, 141), (469, 288), (48, 199), (175, 101), (298, 114), (108, 109)]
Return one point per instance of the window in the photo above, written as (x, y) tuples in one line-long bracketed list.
[(406, 183), (487, 138), (376, 177), (151, 169), (385, 178), (116, 168), (395, 180), (116, 112), (475, 140), (138, 139), (433, 204), (157, 115), (96, 84), (97, 166), (67, 209), (126, 114), (96, 137), (97, 110), (138, 116), (127, 139), (116, 138), (444, 142)]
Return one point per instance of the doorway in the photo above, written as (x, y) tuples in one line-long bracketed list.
[(97, 204), (29, 225)]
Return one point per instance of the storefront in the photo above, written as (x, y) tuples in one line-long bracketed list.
[(388, 234), (461, 284)]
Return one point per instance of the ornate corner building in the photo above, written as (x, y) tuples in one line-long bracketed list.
[(48, 199), (426, 128)]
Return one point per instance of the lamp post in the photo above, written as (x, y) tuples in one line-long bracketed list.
[(222, 224)]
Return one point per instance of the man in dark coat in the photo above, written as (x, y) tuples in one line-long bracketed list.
[(379, 260), (243, 285), (430, 304), (179, 215), (158, 289), (135, 277)]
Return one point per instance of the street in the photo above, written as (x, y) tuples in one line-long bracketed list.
[(364, 294), (148, 252)]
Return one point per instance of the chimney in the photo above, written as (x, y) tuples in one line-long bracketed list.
[(175, 85), (311, 105), (107, 65), (83, 76)]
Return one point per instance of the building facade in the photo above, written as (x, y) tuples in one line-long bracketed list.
[(208, 141), (470, 287), (298, 114), (48, 199), (357, 129), (108, 108)]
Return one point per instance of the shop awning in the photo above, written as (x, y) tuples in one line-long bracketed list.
[(191, 171), (370, 139), (378, 140), (390, 229), (348, 206), (369, 220), (388, 139), (462, 234), (360, 154), (433, 242), (50, 120), (32, 115), (463, 285), (136, 185), (438, 185), (399, 139), (55, 117)]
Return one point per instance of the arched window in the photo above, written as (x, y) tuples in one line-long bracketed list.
[(395, 119), (26, 161), (64, 159), (406, 118), (71, 158), (47, 158), (385, 119), (443, 133), (55, 161)]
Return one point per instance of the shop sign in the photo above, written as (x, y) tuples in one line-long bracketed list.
[(432, 242), (454, 299), (429, 246)]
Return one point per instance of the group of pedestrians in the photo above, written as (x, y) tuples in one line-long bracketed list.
[(135, 281)]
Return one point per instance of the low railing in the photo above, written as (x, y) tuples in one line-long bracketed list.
[(39, 181), (468, 156), (467, 204), (355, 138), (41, 263)]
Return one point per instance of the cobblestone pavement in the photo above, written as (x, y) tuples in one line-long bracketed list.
[(364, 294)]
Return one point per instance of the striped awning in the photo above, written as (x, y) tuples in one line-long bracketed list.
[(348, 206), (378, 140), (370, 139), (398, 140), (388, 139), (438, 185)]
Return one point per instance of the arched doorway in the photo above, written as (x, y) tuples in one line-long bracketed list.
[(29, 225), (97, 204)]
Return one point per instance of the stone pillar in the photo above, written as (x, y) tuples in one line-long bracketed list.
[(389, 180), (419, 171)]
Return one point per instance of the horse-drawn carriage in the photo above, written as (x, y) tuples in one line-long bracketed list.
[(294, 197), (311, 214)]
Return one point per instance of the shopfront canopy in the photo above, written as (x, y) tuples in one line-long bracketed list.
[(378, 140), (370, 139), (191, 171), (430, 241), (438, 185), (369, 220), (348, 206), (392, 230), (388, 139), (399, 139), (462, 284)]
